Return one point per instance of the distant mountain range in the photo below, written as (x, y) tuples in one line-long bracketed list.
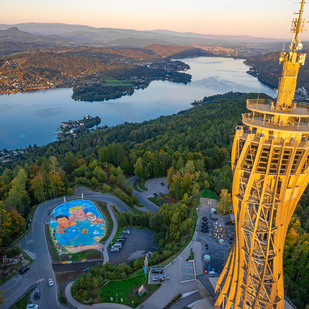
[(71, 35)]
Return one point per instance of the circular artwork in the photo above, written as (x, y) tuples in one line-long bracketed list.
[(77, 226)]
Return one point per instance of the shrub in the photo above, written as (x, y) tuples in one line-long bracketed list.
[(13, 251)]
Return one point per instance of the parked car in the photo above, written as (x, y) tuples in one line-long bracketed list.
[(126, 232), (50, 282), (23, 270), (115, 249), (162, 184), (158, 278), (157, 270), (32, 306), (117, 245), (37, 295), (155, 194), (121, 239)]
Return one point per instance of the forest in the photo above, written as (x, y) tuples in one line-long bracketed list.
[(192, 149)]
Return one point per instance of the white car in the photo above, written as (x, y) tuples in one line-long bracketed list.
[(126, 232), (50, 282), (32, 306), (114, 249)]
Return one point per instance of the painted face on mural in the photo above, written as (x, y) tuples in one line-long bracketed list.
[(93, 218), (65, 222), (79, 214)]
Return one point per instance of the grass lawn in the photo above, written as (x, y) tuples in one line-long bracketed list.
[(137, 212), (52, 249), (128, 291), (142, 186), (158, 200), (207, 193), (136, 188), (118, 233), (117, 82), (154, 200), (108, 218), (88, 255), (22, 304)]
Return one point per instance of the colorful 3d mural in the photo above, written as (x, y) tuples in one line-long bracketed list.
[(77, 226)]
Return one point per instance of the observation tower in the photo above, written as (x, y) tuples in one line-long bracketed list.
[(270, 173)]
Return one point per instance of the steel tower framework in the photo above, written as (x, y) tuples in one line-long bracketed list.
[(270, 162)]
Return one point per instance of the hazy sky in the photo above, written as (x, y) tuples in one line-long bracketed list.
[(261, 18)]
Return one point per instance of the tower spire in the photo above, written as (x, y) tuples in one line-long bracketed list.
[(291, 62)]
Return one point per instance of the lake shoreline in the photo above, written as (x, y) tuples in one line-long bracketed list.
[(38, 113)]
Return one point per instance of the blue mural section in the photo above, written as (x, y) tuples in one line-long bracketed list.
[(77, 226)]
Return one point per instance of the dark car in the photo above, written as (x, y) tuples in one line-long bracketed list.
[(157, 271), (37, 295), (155, 194), (23, 270), (162, 183)]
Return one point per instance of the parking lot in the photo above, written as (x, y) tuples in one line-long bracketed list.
[(216, 250), (187, 270), (157, 186), (138, 243)]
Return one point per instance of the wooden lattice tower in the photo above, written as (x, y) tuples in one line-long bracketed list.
[(270, 162)]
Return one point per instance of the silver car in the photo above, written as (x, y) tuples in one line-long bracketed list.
[(158, 278)]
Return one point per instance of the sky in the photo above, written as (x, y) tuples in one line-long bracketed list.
[(260, 18)]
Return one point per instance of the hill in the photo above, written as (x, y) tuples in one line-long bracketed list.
[(127, 37), (268, 70), (13, 34)]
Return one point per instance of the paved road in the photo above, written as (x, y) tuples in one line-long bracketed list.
[(19, 285), (142, 197)]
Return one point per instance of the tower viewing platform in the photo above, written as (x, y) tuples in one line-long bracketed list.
[(266, 115)]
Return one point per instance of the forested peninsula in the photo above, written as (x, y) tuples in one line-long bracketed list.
[(192, 149), (95, 74)]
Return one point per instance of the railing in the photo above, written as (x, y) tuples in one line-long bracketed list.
[(271, 105), (268, 123)]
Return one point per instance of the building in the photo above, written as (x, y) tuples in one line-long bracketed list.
[(271, 171)]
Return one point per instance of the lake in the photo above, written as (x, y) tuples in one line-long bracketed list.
[(32, 117)]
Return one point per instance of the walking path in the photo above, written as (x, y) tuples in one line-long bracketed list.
[(112, 235)]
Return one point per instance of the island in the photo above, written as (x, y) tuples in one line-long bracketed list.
[(75, 128)]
